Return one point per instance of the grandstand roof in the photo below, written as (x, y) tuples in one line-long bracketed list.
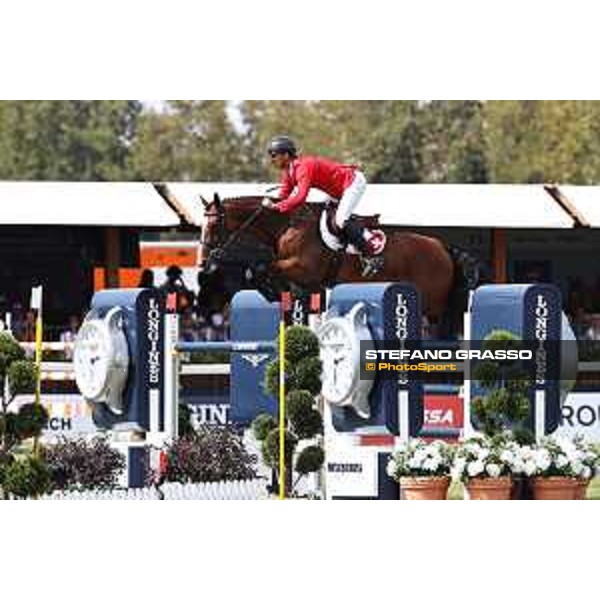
[(419, 205), (426, 205), (85, 203)]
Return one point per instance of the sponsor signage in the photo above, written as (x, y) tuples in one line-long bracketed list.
[(69, 415), (443, 411), (581, 415), (351, 472)]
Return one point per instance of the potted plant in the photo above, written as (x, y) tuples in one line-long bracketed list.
[(422, 469), (501, 404), (485, 465), (591, 457), (555, 466)]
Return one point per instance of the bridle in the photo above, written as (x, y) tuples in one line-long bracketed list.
[(224, 241)]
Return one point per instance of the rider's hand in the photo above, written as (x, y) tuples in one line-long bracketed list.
[(268, 203)]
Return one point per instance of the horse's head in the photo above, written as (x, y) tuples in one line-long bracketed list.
[(213, 232), (238, 236), (236, 223)]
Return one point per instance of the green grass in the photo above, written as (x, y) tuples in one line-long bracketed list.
[(593, 492)]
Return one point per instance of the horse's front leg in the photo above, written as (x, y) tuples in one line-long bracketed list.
[(292, 268)]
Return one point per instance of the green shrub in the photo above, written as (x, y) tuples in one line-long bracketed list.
[(300, 343), (298, 402), (26, 478), (504, 405), (310, 460), (10, 351), (271, 383), (31, 420), (9, 430), (307, 375), (262, 425), (22, 376), (307, 424), (302, 383), (184, 421), (270, 448)]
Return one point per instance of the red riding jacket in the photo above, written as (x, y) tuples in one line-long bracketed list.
[(306, 172)]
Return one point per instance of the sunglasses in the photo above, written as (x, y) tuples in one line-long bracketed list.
[(273, 154)]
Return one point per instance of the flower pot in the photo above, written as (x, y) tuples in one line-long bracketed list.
[(489, 488), (522, 488), (581, 489), (555, 488), (424, 488)]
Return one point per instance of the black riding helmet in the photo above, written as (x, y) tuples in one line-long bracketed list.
[(282, 144)]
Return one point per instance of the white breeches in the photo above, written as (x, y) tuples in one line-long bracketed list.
[(350, 199)]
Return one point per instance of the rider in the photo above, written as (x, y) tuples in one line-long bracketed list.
[(345, 184)]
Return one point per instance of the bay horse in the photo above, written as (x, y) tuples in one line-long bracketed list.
[(272, 251)]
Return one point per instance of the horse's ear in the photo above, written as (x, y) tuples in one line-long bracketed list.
[(217, 200), (204, 201)]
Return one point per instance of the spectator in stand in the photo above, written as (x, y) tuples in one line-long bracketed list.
[(147, 279), (175, 284), (189, 328), (216, 331), (28, 327)]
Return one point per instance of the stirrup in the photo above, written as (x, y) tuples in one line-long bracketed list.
[(371, 265)]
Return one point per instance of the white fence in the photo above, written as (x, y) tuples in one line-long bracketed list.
[(253, 489)]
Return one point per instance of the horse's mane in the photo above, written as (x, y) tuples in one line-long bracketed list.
[(251, 202)]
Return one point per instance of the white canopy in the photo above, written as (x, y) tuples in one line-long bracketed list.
[(421, 205), (586, 199), (424, 205), (84, 203)]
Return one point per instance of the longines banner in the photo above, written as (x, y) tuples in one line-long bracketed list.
[(70, 415)]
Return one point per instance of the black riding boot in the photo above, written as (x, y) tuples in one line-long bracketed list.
[(354, 234)]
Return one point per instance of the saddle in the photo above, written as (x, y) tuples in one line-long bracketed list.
[(333, 239), (367, 221)]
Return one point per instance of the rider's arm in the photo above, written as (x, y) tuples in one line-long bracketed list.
[(287, 185), (303, 176)]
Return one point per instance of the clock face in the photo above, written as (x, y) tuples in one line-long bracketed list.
[(91, 358), (339, 354)]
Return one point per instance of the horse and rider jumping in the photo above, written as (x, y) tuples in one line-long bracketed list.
[(344, 184), (299, 246)]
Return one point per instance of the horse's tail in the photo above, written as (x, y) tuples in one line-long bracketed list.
[(466, 277)]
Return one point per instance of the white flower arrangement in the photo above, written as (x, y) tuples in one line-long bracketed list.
[(559, 457), (483, 457), (419, 458)]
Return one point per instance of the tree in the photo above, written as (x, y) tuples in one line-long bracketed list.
[(189, 141), (302, 120), (543, 141), (393, 152), (453, 143), (67, 140)]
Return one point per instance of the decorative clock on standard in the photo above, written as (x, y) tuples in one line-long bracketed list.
[(339, 340), (101, 360)]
